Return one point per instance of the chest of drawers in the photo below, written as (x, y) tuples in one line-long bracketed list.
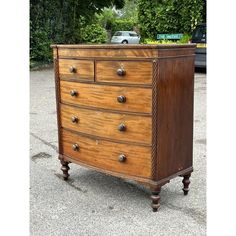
[(127, 111)]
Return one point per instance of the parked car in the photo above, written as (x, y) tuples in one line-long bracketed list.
[(199, 37), (125, 37)]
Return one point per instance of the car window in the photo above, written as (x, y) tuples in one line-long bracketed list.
[(118, 33), (199, 34), (133, 35)]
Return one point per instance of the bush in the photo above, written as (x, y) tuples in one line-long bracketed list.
[(185, 38), (122, 25), (169, 16), (93, 33), (40, 46)]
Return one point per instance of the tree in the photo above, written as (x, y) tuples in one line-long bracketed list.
[(169, 16), (61, 21)]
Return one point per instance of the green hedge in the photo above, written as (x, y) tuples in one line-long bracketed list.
[(64, 22), (122, 25), (93, 33), (169, 16)]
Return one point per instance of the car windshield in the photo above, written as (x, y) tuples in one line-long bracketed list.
[(118, 33), (199, 34)]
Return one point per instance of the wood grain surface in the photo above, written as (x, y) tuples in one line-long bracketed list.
[(135, 72), (104, 96), (105, 124), (104, 53), (174, 116), (84, 69), (128, 51), (104, 154)]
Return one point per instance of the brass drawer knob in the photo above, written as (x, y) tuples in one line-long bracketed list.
[(122, 158), (73, 93), (75, 147), (121, 99), (121, 72), (74, 119), (72, 69), (122, 127)]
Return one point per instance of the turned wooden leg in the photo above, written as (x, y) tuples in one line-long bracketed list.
[(65, 168), (155, 199), (186, 183)]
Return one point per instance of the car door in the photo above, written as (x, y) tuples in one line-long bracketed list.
[(133, 38)]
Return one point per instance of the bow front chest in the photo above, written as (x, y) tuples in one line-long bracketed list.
[(127, 111)]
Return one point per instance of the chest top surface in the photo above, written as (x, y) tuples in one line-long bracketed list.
[(114, 51)]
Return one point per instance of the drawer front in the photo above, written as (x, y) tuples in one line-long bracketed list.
[(122, 158), (124, 127), (76, 69), (103, 96), (130, 72)]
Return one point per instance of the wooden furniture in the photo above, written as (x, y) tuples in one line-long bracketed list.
[(127, 110)]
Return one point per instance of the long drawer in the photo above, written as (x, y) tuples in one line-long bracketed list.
[(120, 98), (123, 158), (130, 72), (124, 127)]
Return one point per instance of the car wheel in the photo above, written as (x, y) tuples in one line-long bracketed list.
[(124, 42)]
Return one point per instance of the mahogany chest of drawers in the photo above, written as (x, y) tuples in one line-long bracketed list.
[(127, 111)]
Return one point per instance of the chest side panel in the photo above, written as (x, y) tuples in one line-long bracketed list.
[(175, 85)]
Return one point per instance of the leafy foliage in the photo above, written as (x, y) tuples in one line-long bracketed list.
[(94, 33), (122, 24), (61, 21), (115, 20), (169, 16), (78, 21), (106, 18)]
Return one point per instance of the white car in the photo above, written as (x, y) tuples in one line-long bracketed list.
[(125, 37)]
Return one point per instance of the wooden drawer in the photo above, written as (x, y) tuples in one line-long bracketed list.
[(105, 155), (124, 127), (103, 96), (130, 72), (76, 69)]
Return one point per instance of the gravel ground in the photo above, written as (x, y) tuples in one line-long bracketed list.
[(91, 203)]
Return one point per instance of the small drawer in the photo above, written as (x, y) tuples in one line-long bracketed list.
[(120, 98), (129, 72), (76, 69), (131, 128), (122, 158)]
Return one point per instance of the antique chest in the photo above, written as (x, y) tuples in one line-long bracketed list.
[(127, 111)]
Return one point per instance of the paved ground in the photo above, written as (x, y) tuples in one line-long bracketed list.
[(92, 203)]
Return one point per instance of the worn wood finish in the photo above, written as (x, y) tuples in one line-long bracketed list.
[(136, 125), (105, 154), (140, 73), (174, 115), (103, 53), (65, 168), (124, 51), (156, 198), (105, 124), (83, 69), (186, 183), (57, 94), (104, 96)]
